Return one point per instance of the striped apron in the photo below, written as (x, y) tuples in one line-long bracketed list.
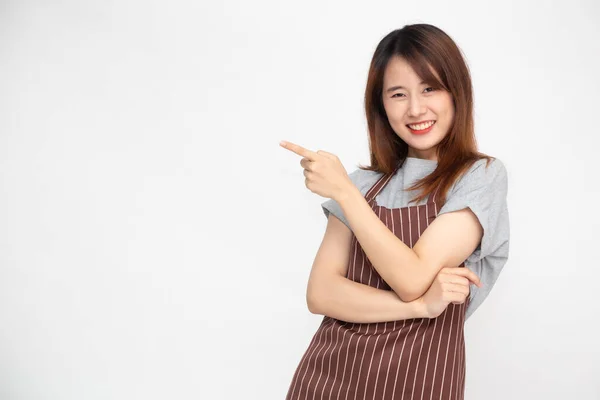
[(413, 359)]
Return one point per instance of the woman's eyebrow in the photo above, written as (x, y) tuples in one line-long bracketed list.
[(400, 87)]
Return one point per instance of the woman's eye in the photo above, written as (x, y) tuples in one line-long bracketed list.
[(428, 90)]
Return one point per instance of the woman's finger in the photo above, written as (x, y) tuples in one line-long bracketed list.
[(467, 273), (327, 154), (453, 287), (455, 298), (305, 163), (457, 279), (301, 151)]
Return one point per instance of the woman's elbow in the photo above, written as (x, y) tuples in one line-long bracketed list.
[(320, 291), (407, 295), (313, 303), (313, 299)]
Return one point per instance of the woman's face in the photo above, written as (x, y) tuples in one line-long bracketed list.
[(408, 101)]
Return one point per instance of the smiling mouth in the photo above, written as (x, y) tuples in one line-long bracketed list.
[(423, 127)]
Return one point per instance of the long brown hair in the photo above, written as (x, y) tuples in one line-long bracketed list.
[(422, 46)]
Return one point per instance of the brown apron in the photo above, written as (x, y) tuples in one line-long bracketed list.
[(412, 359)]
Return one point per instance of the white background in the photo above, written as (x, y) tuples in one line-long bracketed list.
[(155, 240)]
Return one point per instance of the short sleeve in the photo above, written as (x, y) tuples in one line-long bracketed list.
[(483, 189), (363, 180)]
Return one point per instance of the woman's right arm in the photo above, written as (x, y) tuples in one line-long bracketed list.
[(330, 293)]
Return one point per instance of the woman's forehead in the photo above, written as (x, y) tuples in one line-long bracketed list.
[(399, 72)]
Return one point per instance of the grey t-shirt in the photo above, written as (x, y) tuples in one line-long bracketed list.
[(482, 189)]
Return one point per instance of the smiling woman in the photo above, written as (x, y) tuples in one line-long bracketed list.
[(420, 112), (414, 242)]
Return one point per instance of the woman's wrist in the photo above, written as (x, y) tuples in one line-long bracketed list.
[(420, 308), (349, 191)]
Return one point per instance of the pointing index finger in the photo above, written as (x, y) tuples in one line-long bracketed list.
[(301, 151)]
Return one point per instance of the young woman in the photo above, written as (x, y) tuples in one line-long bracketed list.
[(390, 276)]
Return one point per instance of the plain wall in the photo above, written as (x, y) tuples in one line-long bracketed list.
[(156, 241)]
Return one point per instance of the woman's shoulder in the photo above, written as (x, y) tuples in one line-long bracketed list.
[(483, 172), (486, 166)]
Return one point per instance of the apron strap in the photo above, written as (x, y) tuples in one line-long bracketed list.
[(385, 178)]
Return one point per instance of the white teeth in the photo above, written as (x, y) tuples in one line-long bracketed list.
[(422, 126)]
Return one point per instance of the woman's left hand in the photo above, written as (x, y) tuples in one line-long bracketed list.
[(324, 172)]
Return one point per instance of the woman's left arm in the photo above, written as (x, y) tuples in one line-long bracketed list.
[(447, 242)]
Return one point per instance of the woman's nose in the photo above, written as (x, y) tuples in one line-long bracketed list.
[(417, 107)]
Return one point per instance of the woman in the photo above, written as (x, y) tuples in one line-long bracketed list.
[(394, 294)]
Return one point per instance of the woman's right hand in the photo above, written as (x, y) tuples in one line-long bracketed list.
[(451, 285)]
